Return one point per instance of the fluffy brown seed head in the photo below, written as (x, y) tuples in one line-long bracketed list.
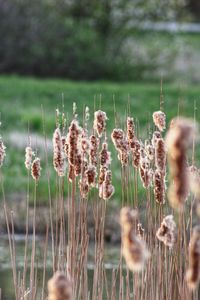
[(28, 157), (135, 151), (107, 187), (59, 287), (194, 181), (36, 169), (178, 140), (102, 173), (91, 175), (159, 120), (146, 176), (160, 155), (193, 273), (100, 122), (130, 130), (159, 187), (58, 153), (105, 155), (121, 145), (133, 247), (150, 151), (166, 232), (2, 152), (93, 155), (155, 137)]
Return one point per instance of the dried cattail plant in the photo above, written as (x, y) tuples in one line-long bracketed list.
[(194, 181), (146, 173), (121, 144), (107, 187), (159, 120), (93, 154), (105, 155), (130, 130), (167, 231), (100, 122), (36, 169), (28, 157), (135, 151), (91, 174), (74, 147), (59, 287), (193, 273), (133, 247), (160, 155), (150, 150), (59, 161), (159, 186), (178, 140), (2, 152), (155, 137)]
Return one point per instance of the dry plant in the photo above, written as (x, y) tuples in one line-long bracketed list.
[(157, 264)]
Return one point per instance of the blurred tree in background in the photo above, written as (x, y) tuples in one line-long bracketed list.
[(77, 39)]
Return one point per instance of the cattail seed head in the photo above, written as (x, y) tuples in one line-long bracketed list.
[(91, 175), (159, 187), (2, 152), (105, 155), (135, 151), (93, 154), (178, 140), (166, 232), (133, 247), (107, 187), (130, 130), (121, 145), (59, 287), (28, 157), (194, 181), (155, 137), (159, 120), (58, 153), (160, 155), (100, 122), (36, 169), (150, 151), (102, 173), (193, 273)]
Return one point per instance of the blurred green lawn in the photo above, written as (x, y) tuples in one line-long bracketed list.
[(20, 105)]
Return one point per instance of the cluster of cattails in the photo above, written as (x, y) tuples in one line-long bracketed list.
[(121, 144), (2, 152), (167, 231), (59, 287), (134, 144), (179, 139), (193, 273), (100, 122), (59, 159), (159, 119), (133, 247), (32, 164)]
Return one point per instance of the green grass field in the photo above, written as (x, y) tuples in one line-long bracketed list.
[(21, 100)]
